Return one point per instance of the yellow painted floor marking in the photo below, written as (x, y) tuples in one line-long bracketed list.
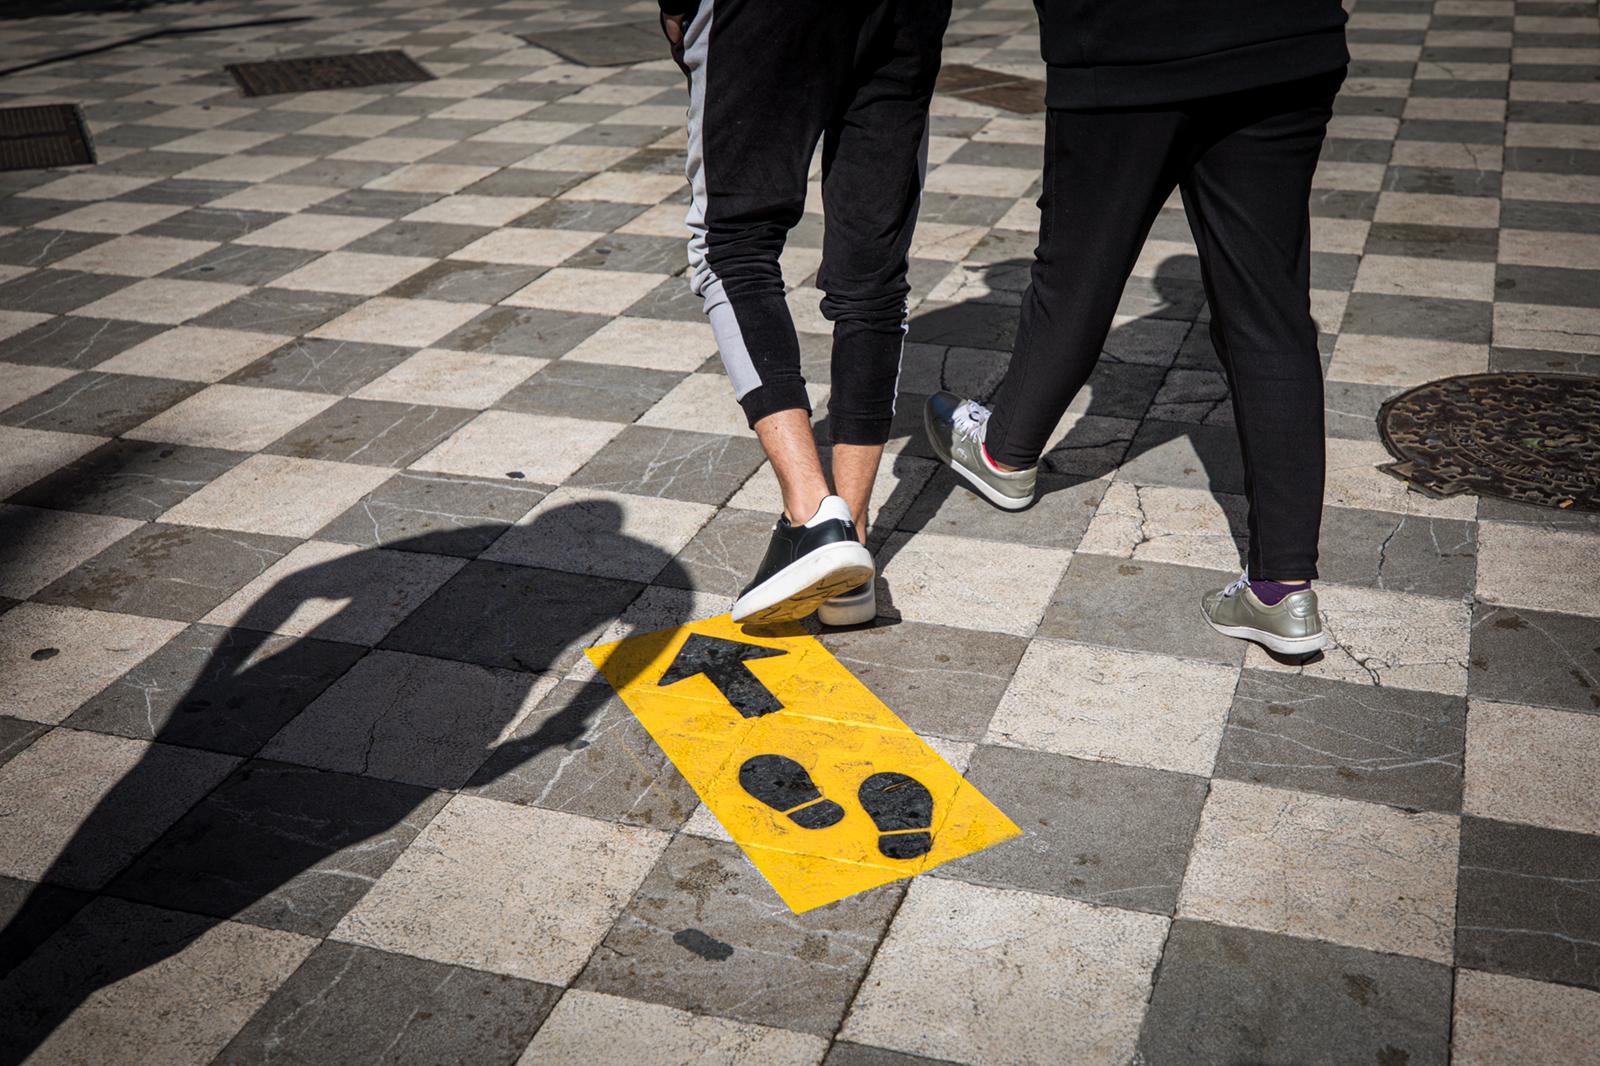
[(716, 696)]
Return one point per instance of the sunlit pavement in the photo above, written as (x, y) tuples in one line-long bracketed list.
[(335, 426)]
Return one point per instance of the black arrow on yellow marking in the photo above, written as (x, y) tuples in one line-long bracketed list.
[(723, 663)]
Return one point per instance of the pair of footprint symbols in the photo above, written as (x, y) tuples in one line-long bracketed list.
[(900, 806)]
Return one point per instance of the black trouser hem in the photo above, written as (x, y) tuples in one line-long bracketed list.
[(764, 400)]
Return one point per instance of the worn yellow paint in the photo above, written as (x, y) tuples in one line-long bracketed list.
[(831, 724)]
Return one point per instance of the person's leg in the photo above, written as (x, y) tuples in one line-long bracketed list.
[(763, 81), (1106, 175), (1247, 199), (873, 163)]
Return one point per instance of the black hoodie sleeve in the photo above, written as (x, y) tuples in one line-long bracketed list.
[(679, 7)]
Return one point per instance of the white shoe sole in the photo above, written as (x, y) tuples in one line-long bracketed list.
[(798, 589), (1004, 502), (1282, 645), (850, 610)]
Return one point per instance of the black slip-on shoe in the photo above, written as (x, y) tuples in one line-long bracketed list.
[(805, 565)]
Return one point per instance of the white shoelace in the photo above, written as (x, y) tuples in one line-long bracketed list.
[(970, 420), (1238, 586)]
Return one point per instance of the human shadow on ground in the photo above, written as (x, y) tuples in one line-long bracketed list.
[(322, 754), (1114, 421)]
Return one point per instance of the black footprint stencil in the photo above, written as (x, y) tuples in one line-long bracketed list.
[(902, 809), (784, 785), (900, 806)]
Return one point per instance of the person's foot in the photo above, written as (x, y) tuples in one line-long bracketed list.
[(854, 608), (805, 565), (956, 429), (1292, 626)]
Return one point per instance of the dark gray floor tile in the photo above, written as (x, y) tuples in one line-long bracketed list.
[(1551, 160), (98, 403), (75, 343), (55, 292), (314, 364), (1382, 745), (1471, 243), (959, 210), (375, 203), (211, 224), (289, 312), (1141, 605), (1058, 519), (339, 173), (1537, 657), (674, 463), (15, 735), (282, 846), (165, 571), (1097, 831), (533, 331), (844, 1053), (1402, 553), (242, 264), (48, 908), (372, 432), (1385, 315), (515, 617), (595, 216), (133, 479), (43, 246), (1093, 447), (1546, 285), (582, 751), (1542, 361), (442, 514), (464, 282), (1528, 902), (1547, 216), (432, 239), (1229, 996), (346, 1002), (627, 251), (1442, 181), (1451, 130), (597, 391), (706, 933), (1494, 509), (226, 690), (941, 681), (515, 181)]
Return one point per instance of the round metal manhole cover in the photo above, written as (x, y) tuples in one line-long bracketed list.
[(1533, 438)]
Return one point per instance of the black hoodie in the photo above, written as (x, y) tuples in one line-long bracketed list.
[(1138, 53)]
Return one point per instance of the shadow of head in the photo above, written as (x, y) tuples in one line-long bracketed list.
[(341, 703)]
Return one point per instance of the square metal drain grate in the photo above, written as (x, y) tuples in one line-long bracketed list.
[(49, 135), (311, 73), (606, 46)]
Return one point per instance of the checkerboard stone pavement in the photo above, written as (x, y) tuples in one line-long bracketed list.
[(333, 426)]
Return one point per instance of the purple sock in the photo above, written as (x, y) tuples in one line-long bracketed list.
[(1272, 592)]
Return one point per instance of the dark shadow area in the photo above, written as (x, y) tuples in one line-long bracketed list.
[(472, 652), (29, 9)]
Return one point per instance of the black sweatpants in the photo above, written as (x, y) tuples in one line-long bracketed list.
[(767, 82), (1244, 164)]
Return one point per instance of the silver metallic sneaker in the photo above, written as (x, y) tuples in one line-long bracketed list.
[(854, 608), (1292, 626), (956, 429)]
